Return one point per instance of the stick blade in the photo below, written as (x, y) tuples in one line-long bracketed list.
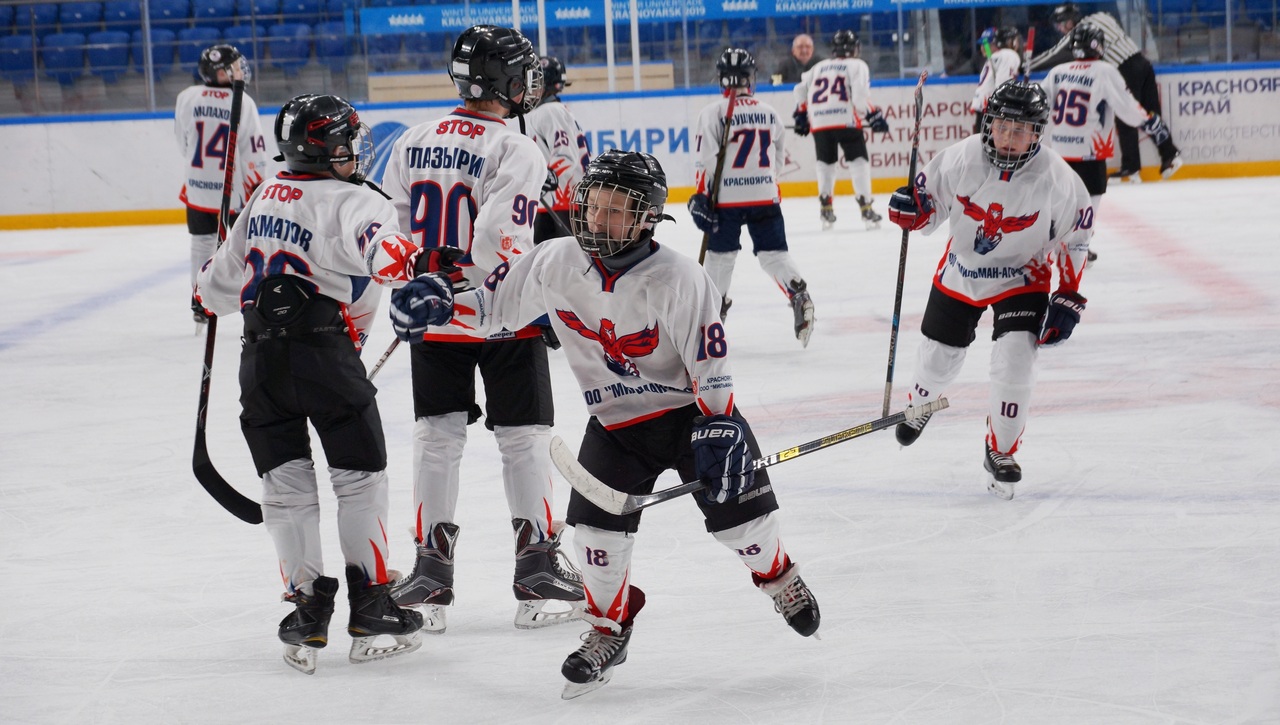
[(589, 486), (240, 506)]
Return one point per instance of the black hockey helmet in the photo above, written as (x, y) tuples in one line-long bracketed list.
[(1008, 37), (845, 44), (491, 62), (553, 75), (737, 68), (619, 200), (1020, 101), (219, 57), (1066, 12), (310, 129), (1088, 41)]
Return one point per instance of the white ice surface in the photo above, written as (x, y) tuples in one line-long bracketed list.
[(1135, 578)]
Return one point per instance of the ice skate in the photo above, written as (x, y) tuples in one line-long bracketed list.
[(908, 431), (603, 647), (1005, 472), (828, 212), (373, 614), (725, 304), (802, 309), (792, 598), (1127, 176), (544, 577), (1170, 166), (429, 587), (306, 629), (869, 216)]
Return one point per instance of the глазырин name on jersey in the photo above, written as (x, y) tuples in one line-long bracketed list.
[(443, 157), (265, 225)]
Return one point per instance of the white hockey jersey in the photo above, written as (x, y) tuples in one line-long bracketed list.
[(1000, 67), (1007, 229), (467, 180), (640, 342), (202, 126), (756, 137), (337, 235), (1087, 97), (563, 145), (836, 92)]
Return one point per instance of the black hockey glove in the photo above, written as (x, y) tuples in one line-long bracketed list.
[(1064, 312), (1156, 129), (552, 181), (443, 260), (802, 122), (721, 457), (704, 218), (910, 208), (875, 119), (427, 300), (199, 309)]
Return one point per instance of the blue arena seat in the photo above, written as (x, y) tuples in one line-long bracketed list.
[(38, 18), (191, 43), (290, 46), (6, 19), (123, 15), (163, 41), (382, 51), (17, 58), (80, 17), (427, 50), (260, 12), (63, 56), (170, 14), (300, 11), (108, 54), (332, 45), (218, 14), (248, 39)]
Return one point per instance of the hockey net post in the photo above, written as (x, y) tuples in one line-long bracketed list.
[(619, 503)]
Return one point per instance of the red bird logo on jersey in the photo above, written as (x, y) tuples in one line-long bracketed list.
[(994, 223), (618, 351)]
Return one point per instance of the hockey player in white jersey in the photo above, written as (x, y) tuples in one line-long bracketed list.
[(1014, 211), (833, 100), (748, 192), (642, 334), (470, 181), (201, 125), (298, 261), (1088, 96), (563, 145), (1002, 65)]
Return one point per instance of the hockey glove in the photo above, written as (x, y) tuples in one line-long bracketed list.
[(199, 309), (704, 218), (443, 260), (910, 208), (1064, 312), (721, 457), (1156, 129), (552, 181), (875, 119), (427, 300), (802, 122)]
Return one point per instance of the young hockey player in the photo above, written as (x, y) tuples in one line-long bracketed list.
[(297, 265), (201, 123), (564, 147), (470, 181), (1014, 211), (1088, 96), (1002, 65), (748, 192), (833, 100), (642, 333)]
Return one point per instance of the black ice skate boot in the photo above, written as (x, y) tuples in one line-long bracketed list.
[(828, 212), (306, 629), (792, 598), (374, 613), (725, 304), (802, 311), (869, 215), (544, 574), (430, 585), (1004, 473), (907, 432), (603, 647)]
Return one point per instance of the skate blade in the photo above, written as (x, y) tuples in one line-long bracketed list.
[(826, 225), (872, 226), (301, 658), (573, 689), (806, 330), (364, 649), (433, 618), (533, 615), (1000, 489)]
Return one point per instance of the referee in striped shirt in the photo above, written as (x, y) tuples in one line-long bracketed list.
[(1134, 67)]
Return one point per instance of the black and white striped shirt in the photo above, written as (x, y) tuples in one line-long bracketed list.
[(1119, 47)]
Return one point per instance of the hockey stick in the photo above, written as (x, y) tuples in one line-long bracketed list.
[(1026, 55), (555, 218), (713, 189), (383, 360), (621, 504), (902, 253), (224, 493)]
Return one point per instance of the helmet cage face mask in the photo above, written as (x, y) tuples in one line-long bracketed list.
[(311, 130), (609, 218), (736, 68), (1024, 104)]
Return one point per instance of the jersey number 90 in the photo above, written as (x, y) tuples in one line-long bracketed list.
[(437, 216)]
